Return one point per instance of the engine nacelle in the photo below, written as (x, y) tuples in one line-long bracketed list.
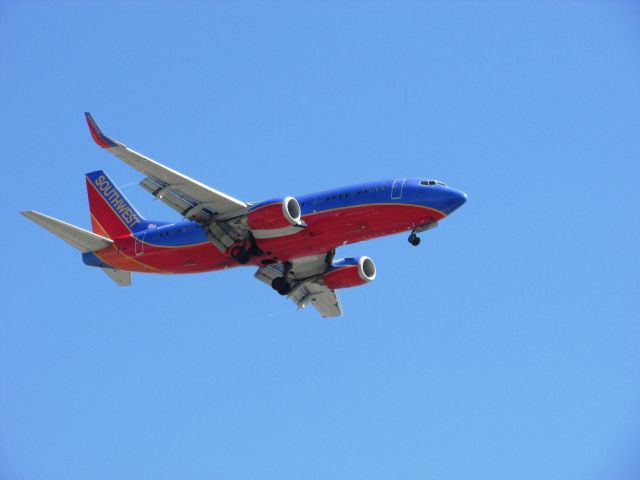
[(350, 272), (275, 218)]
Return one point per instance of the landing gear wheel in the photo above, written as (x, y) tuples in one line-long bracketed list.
[(280, 285), (244, 259), (286, 288), (239, 254), (414, 240)]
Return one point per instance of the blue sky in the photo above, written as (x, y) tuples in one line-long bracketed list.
[(505, 346)]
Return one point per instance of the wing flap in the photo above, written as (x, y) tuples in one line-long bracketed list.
[(324, 299), (328, 304), (308, 287), (77, 237), (182, 203), (221, 204)]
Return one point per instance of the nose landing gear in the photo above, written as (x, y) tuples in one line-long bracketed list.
[(414, 239)]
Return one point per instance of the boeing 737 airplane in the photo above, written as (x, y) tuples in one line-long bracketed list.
[(291, 240)]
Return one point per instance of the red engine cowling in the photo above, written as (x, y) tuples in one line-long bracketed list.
[(350, 272), (275, 218)]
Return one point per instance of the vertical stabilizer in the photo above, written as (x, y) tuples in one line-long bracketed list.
[(112, 215)]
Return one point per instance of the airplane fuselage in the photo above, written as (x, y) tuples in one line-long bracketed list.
[(333, 218)]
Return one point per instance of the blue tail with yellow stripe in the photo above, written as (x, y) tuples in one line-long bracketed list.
[(112, 215)]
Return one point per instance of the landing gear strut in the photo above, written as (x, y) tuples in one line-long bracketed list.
[(414, 239), (280, 284), (242, 252)]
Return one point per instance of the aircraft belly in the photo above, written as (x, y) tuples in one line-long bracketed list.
[(148, 258)]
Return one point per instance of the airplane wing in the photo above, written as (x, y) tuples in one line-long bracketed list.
[(187, 196), (307, 285)]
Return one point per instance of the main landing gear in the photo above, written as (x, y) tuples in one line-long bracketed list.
[(414, 239), (242, 252), (280, 284)]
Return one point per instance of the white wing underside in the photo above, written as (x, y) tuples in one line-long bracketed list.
[(307, 285), (190, 198)]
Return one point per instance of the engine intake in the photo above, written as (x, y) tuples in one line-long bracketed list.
[(350, 272), (275, 218)]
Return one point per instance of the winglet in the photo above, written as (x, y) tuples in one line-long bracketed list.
[(100, 138)]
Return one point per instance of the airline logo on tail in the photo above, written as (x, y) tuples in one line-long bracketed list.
[(110, 193)]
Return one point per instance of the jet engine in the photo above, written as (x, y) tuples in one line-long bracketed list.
[(350, 272), (275, 218)]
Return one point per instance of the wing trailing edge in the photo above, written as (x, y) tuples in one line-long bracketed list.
[(191, 198)]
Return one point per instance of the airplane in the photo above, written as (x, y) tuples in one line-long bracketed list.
[(291, 240)]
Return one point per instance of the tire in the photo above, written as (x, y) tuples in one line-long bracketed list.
[(244, 258), (285, 288), (277, 283)]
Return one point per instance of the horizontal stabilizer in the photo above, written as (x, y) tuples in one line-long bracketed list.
[(77, 237), (123, 279)]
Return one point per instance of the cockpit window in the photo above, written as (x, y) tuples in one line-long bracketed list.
[(429, 183)]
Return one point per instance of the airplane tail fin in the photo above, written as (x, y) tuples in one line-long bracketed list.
[(112, 215)]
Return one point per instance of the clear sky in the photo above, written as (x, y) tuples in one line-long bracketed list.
[(507, 345)]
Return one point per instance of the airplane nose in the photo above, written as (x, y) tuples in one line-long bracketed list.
[(456, 200)]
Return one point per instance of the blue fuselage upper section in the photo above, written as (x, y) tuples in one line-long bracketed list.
[(401, 191)]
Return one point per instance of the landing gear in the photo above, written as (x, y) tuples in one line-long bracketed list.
[(280, 285), (243, 251), (414, 239), (241, 254)]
